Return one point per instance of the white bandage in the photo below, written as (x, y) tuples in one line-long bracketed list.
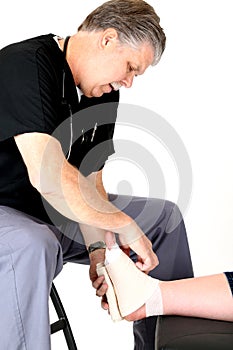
[(131, 287), (110, 257), (110, 294), (112, 254), (154, 305)]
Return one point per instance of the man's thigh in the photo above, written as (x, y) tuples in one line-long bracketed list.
[(162, 223), (145, 212)]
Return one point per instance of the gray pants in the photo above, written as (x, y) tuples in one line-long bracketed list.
[(32, 254)]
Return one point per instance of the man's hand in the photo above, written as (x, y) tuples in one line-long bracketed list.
[(101, 290), (147, 259), (98, 282), (142, 246), (97, 256)]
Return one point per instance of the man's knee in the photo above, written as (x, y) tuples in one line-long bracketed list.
[(166, 214), (39, 238), (42, 247), (30, 242), (174, 217), (35, 241)]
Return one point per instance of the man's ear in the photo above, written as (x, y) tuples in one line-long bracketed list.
[(109, 37)]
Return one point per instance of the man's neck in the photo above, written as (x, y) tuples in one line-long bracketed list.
[(61, 43)]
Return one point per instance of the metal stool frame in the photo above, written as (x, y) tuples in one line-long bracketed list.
[(63, 322)]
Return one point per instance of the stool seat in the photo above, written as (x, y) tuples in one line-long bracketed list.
[(189, 333)]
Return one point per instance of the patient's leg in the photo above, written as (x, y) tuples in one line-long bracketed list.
[(139, 295), (206, 296)]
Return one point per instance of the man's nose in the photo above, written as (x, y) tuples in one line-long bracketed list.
[(128, 81)]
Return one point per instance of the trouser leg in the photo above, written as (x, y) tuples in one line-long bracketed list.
[(162, 223), (30, 257)]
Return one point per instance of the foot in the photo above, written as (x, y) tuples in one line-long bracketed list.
[(137, 315), (132, 287), (129, 288)]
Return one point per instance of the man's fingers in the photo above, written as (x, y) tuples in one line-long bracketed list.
[(110, 239), (100, 286), (147, 265), (101, 291), (125, 249), (104, 303), (97, 283)]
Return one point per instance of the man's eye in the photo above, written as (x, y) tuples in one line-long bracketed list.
[(132, 69)]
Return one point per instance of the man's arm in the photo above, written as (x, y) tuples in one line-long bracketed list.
[(74, 196), (93, 234), (97, 179)]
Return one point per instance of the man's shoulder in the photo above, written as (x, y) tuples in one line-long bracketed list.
[(34, 41), (26, 54), (29, 46)]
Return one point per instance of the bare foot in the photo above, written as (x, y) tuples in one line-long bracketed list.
[(137, 315)]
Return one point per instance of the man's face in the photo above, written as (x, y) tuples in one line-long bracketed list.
[(114, 67)]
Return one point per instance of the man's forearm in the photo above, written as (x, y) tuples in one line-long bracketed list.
[(75, 197), (93, 234), (96, 179)]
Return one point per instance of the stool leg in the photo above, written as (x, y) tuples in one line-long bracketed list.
[(63, 322)]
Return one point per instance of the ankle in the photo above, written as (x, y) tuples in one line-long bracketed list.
[(154, 305), (137, 315)]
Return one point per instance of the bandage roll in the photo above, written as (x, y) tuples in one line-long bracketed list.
[(111, 297)]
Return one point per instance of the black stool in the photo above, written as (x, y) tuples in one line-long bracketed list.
[(62, 323), (190, 333)]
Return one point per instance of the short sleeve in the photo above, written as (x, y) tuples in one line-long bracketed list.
[(28, 91)]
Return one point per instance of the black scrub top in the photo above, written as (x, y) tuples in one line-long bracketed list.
[(38, 94)]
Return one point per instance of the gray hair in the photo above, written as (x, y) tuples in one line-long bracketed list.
[(134, 20)]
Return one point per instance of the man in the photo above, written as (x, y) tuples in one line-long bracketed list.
[(53, 204)]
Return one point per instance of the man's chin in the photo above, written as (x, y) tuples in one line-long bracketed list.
[(97, 94), (88, 94)]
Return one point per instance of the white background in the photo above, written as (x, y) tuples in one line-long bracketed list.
[(192, 89)]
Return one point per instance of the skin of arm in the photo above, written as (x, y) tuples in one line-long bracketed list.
[(93, 234), (206, 296), (74, 196)]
